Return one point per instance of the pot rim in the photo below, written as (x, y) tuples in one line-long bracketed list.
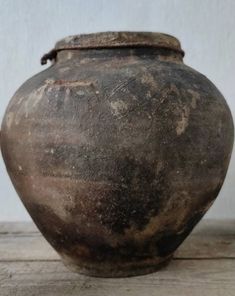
[(115, 39)]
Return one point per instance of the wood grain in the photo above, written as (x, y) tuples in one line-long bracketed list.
[(204, 265), (180, 278)]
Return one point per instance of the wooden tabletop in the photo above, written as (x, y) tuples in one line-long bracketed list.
[(203, 266)]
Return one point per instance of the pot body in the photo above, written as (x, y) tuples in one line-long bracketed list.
[(117, 154)]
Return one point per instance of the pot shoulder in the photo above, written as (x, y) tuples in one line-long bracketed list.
[(134, 99)]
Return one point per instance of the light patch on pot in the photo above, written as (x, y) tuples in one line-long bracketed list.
[(175, 58), (35, 97), (118, 107), (169, 91), (72, 83), (19, 100), (148, 78), (67, 95), (49, 81), (159, 166), (9, 119), (65, 69), (219, 127), (183, 122), (68, 39), (195, 97), (69, 55), (50, 193), (58, 203), (148, 95), (80, 93)]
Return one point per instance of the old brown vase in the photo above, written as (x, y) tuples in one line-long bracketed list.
[(117, 150)]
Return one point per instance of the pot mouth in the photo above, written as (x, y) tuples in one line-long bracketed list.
[(124, 39), (119, 39)]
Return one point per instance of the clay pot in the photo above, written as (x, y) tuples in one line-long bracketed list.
[(117, 150)]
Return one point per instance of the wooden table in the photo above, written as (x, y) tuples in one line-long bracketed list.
[(204, 265)]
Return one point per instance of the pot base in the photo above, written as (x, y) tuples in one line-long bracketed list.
[(115, 270)]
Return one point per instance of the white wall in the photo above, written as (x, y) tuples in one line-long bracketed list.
[(29, 28)]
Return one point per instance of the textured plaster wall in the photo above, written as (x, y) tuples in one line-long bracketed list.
[(28, 28)]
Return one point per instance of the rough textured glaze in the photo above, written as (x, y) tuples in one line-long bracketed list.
[(117, 150)]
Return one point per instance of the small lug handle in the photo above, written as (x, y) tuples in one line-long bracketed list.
[(51, 55)]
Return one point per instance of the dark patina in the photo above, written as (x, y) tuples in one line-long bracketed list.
[(117, 150)]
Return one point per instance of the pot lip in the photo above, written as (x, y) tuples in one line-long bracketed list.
[(119, 39), (114, 39)]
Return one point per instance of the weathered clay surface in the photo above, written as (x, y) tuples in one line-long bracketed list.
[(117, 153)]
